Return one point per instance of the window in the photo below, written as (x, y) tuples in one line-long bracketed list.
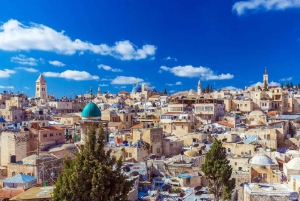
[(59, 134), (51, 135), (188, 181), (235, 163), (35, 136), (260, 175), (130, 155), (240, 168), (44, 135), (158, 150), (265, 175), (13, 173)]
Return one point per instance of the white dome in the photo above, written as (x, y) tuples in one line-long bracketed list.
[(261, 160), (294, 164)]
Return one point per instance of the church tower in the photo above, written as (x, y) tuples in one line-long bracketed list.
[(266, 80), (199, 88), (266, 76), (99, 91), (41, 87)]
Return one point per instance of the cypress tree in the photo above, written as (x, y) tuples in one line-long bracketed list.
[(207, 88), (217, 171), (93, 175), (165, 91)]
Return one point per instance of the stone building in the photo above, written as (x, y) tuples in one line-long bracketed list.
[(14, 146), (152, 135)]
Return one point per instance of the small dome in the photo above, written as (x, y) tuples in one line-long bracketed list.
[(294, 164), (191, 92), (261, 160), (91, 110)]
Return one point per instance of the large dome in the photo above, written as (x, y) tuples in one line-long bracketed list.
[(294, 164), (261, 160), (137, 88), (91, 110)]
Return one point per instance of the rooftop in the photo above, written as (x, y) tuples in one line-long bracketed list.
[(269, 189)]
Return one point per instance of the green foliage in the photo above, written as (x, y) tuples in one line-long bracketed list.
[(265, 86), (165, 91), (217, 171), (93, 175), (175, 190)]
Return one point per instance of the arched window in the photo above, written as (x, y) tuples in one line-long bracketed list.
[(13, 173), (29, 174)]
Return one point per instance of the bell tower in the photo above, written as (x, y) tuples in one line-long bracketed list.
[(41, 88), (266, 76)]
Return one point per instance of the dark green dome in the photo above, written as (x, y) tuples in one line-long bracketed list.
[(91, 110)]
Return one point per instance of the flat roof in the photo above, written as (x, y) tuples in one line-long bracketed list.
[(35, 193), (269, 189)]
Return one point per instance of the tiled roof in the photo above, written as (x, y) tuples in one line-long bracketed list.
[(10, 192), (138, 126), (63, 154), (225, 124)]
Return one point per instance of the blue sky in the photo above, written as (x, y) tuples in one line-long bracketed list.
[(169, 44)]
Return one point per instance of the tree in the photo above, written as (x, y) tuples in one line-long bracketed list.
[(165, 91), (217, 171), (207, 88), (93, 175), (265, 86)]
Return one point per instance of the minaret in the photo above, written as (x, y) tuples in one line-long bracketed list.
[(99, 91), (41, 87), (266, 76), (199, 88)]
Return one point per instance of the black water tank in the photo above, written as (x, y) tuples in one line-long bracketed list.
[(13, 159)]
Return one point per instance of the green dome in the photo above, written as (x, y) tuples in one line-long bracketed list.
[(91, 110)]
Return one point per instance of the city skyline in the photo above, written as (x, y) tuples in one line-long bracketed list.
[(169, 44)]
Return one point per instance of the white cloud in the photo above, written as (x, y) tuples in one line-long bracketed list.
[(31, 70), (72, 75), (103, 85), (230, 88), (242, 7), (6, 73), (126, 80), (15, 36), (6, 87), (123, 87), (26, 88), (22, 59), (57, 63), (170, 58), (286, 79), (105, 79), (177, 83), (203, 73), (108, 68), (274, 84), (172, 91), (262, 84)]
